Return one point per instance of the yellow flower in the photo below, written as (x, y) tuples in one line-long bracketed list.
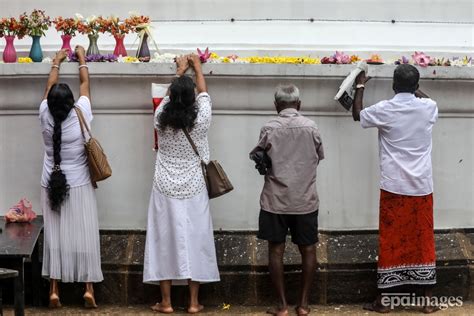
[(225, 306), (214, 56), (226, 60), (355, 58), (130, 59), (25, 60)]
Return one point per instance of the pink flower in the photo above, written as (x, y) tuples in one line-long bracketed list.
[(421, 59), (342, 58), (204, 56)]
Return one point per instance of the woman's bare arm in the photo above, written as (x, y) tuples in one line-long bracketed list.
[(54, 72), (195, 63), (84, 88)]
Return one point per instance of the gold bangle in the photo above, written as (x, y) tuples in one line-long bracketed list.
[(55, 66)]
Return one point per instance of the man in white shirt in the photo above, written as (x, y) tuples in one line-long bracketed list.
[(406, 236)]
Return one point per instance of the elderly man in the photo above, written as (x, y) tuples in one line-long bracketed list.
[(406, 241), (289, 200)]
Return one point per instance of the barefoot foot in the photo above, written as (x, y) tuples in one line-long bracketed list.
[(162, 308), (89, 300), (283, 311), (194, 309), (375, 307), (430, 309), (54, 301), (302, 311)]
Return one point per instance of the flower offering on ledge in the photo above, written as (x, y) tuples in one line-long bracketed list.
[(25, 60)]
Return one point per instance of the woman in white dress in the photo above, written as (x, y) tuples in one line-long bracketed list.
[(71, 231), (180, 242)]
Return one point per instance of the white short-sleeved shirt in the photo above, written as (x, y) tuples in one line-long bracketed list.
[(405, 126), (73, 156), (178, 172)]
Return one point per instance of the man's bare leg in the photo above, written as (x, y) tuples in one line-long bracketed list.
[(194, 306), (275, 266), (165, 305), (308, 258)]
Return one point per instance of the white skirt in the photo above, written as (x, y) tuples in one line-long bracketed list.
[(71, 237), (179, 240)]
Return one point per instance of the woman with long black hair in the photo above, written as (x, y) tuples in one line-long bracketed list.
[(179, 242), (71, 231)]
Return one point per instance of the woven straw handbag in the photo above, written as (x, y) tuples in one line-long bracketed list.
[(99, 167), (216, 179)]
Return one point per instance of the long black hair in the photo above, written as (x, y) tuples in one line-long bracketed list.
[(180, 112), (60, 103)]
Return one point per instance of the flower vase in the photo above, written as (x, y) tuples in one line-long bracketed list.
[(36, 54), (119, 46), (93, 48), (143, 52), (9, 54), (66, 42)]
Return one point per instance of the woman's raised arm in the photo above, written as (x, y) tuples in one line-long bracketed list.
[(84, 89), (195, 63), (54, 72)]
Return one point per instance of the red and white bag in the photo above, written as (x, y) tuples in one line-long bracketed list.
[(158, 92)]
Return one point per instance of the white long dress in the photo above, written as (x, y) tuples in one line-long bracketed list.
[(179, 240), (71, 251)]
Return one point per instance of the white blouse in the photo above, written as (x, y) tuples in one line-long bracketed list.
[(178, 172), (73, 156)]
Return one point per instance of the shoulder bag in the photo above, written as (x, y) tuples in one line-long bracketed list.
[(217, 182), (99, 167)]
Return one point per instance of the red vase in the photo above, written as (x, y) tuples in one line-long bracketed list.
[(119, 46), (66, 42), (9, 54)]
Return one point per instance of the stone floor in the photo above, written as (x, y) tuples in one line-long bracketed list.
[(466, 309)]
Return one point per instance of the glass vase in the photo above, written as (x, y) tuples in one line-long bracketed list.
[(36, 53), (93, 48), (9, 53), (66, 42), (119, 46), (143, 52)]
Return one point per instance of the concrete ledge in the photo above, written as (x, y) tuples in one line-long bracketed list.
[(230, 70), (346, 270)]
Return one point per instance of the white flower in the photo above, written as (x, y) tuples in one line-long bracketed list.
[(47, 60), (91, 19), (163, 58), (78, 17)]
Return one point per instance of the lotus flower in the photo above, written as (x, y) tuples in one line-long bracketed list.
[(421, 59), (204, 56), (342, 58)]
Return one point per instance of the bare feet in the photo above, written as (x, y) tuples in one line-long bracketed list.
[(302, 311), (283, 311), (430, 309), (162, 308), (375, 307), (194, 309), (54, 301), (89, 300)]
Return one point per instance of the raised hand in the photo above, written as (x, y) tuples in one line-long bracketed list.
[(80, 51), (194, 61), (182, 65), (61, 55)]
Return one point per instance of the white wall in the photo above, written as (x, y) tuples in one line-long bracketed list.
[(436, 27), (242, 98)]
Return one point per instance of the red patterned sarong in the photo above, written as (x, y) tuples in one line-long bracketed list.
[(406, 240)]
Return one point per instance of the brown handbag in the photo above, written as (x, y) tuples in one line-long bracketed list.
[(99, 167), (216, 179)]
